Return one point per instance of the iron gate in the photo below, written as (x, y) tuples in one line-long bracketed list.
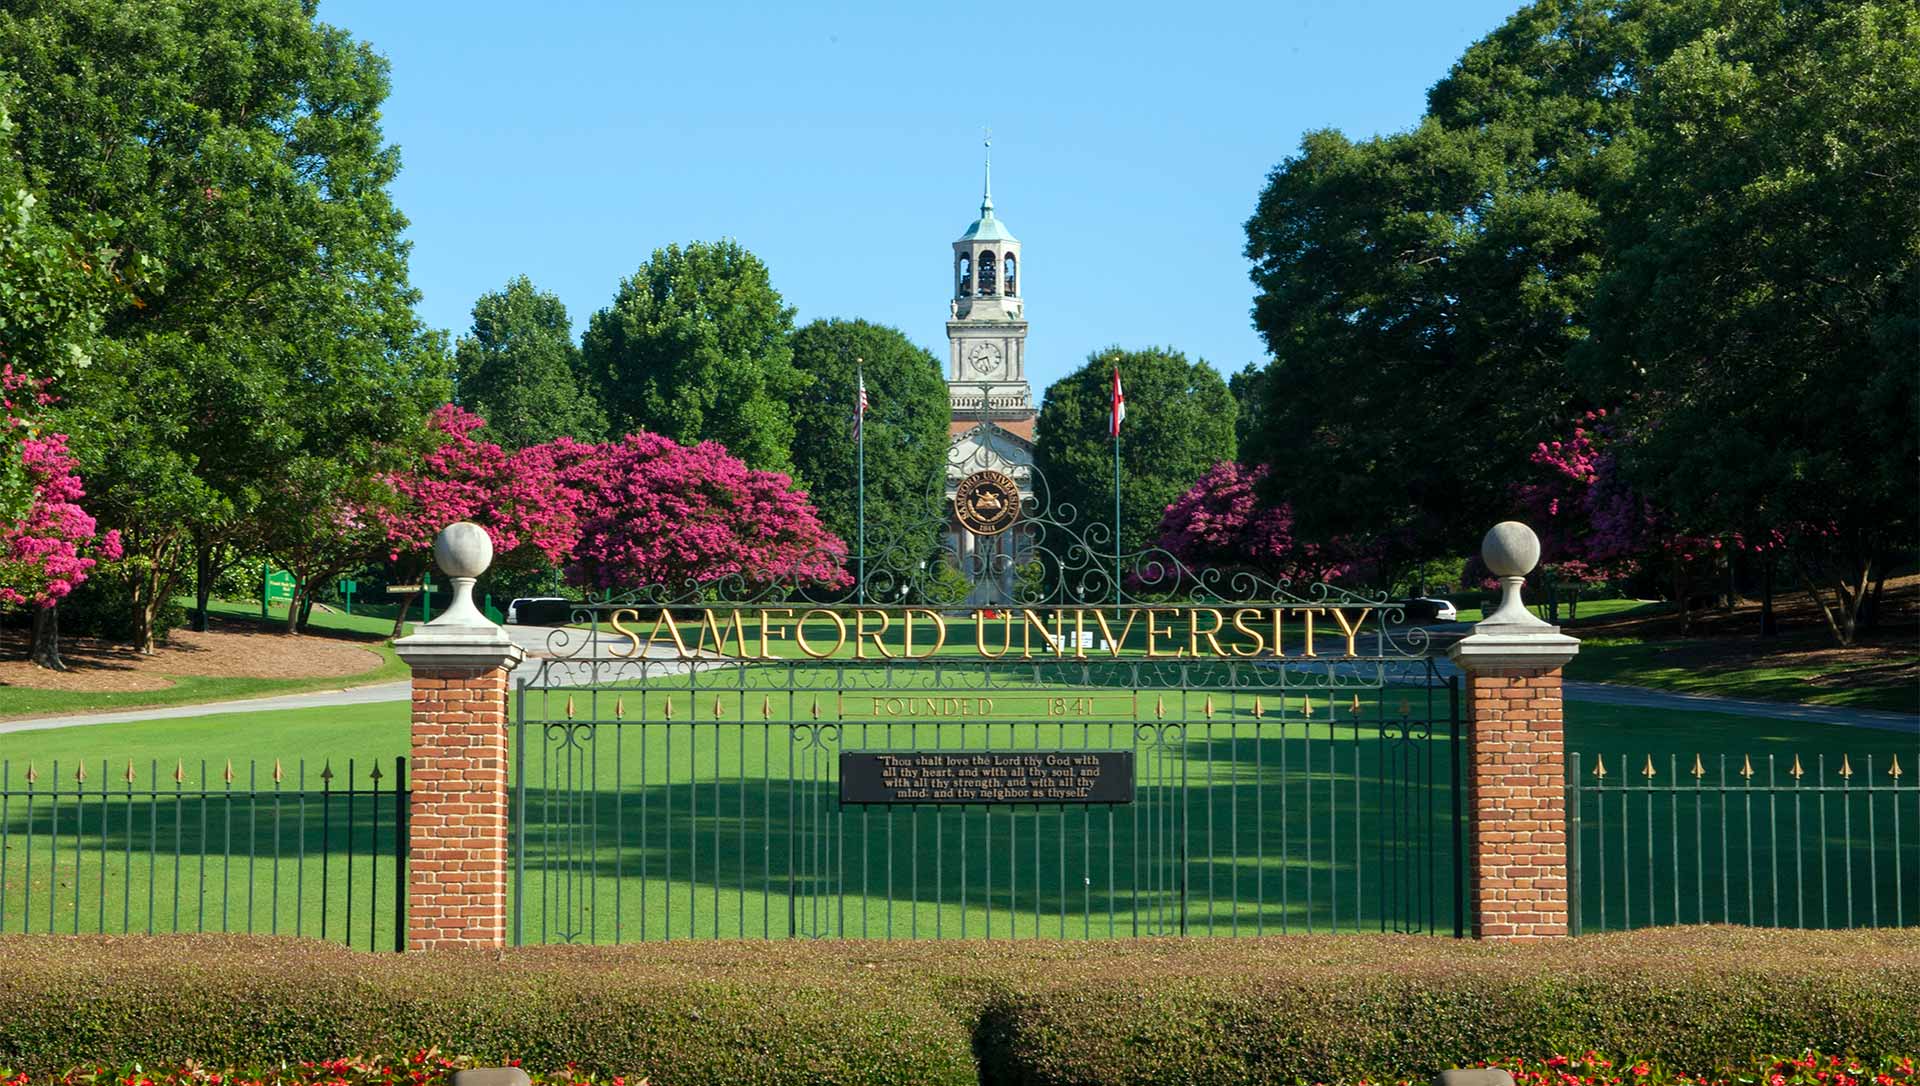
[(687, 783)]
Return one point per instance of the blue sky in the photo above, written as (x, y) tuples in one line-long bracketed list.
[(841, 143)]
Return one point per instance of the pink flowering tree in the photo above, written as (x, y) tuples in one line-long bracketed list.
[(642, 511), (1593, 525), (1222, 522), (49, 551), (659, 513)]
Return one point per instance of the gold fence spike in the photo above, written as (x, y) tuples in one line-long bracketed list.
[(1209, 709), (80, 774), (1600, 767), (716, 707), (1846, 767), (1699, 770), (620, 707), (229, 772), (569, 706), (1406, 708), (1306, 707), (1159, 708), (179, 770), (1894, 769), (129, 770), (668, 711), (1648, 771), (278, 775), (1746, 766), (1259, 709), (766, 707), (1355, 707), (1796, 772), (32, 773), (816, 707)]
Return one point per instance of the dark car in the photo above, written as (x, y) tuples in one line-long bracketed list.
[(1428, 609), (540, 611)]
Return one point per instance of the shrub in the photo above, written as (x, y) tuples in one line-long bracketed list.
[(1704, 1001), (1384, 1009)]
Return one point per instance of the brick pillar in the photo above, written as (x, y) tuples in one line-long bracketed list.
[(1516, 756), (457, 815)]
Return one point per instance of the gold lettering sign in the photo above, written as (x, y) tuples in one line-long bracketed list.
[(1050, 633), (987, 502)]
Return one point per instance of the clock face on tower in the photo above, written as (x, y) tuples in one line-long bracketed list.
[(985, 358)]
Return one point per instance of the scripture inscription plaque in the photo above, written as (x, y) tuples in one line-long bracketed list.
[(982, 776)]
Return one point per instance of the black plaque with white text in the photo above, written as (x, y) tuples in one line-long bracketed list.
[(982, 777)]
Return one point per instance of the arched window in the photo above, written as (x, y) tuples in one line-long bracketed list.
[(966, 277), (1009, 272), (986, 272)]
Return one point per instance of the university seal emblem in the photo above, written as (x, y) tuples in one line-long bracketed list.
[(987, 502)]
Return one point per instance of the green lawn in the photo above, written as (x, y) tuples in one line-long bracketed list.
[(1589, 609), (1640, 663), (24, 701), (748, 839)]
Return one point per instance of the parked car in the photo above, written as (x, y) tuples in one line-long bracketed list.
[(540, 611), (1429, 609)]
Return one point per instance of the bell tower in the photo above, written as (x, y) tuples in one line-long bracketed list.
[(987, 332)]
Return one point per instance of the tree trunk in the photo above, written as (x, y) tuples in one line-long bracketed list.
[(202, 582), (400, 616), (1843, 615), (1733, 586), (46, 638), (1870, 612), (1680, 593), (294, 596), (1769, 626)]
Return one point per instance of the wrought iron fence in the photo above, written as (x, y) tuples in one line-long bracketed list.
[(100, 847), (658, 814), (1731, 840)]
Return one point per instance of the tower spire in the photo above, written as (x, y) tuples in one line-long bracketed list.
[(986, 192)]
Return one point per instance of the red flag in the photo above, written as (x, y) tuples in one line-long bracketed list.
[(1119, 403)]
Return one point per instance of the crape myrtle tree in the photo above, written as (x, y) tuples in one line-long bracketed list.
[(234, 150), (55, 283), (906, 438), (1227, 521), (519, 369), (643, 510), (1180, 419), (696, 347), (1763, 305)]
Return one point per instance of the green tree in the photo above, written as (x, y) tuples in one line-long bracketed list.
[(696, 346), (906, 431), (1763, 308), (1420, 291), (1180, 419), (519, 369), (234, 148), (1249, 388)]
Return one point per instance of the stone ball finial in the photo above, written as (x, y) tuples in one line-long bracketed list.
[(1510, 549), (463, 549)]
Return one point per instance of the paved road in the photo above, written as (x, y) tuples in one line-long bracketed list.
[(604, 662)]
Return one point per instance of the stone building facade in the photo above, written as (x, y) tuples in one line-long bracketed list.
[(992, 402)]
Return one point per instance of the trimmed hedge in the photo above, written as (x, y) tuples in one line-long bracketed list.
[(1315, 1009)]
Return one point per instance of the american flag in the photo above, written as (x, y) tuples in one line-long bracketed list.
[(860, 404), (1119, 403)]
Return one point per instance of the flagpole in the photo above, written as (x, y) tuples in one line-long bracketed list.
[(860, 428), (1116, 517), (1117, 407)]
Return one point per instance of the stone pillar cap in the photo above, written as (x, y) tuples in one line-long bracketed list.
[(462, 637), (1512, 637)]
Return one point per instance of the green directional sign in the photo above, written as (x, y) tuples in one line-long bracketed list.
[(275, 585)]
